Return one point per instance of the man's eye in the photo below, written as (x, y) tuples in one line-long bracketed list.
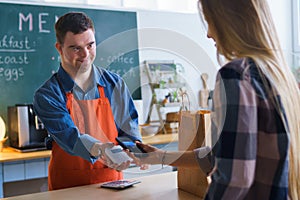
[(91, 46), (76, 49)]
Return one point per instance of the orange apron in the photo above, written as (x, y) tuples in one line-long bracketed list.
[(92, 117)]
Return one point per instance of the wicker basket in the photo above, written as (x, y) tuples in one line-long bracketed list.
[(172, 117)]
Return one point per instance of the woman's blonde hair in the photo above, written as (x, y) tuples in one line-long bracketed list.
[(244, 28)]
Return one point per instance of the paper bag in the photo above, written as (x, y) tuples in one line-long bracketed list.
[(193, 128)]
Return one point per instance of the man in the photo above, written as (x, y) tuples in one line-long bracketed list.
[(84, 108)]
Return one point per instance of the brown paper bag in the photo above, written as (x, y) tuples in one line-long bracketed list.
[(193, 128)]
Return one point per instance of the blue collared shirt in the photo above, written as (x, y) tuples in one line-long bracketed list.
[(50, 106)]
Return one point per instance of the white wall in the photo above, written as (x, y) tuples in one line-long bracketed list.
[(282, 15), (182, 38), (179, 37)]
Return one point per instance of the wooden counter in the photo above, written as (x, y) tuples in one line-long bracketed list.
[(16, 166), (160, 186), (9, 155)]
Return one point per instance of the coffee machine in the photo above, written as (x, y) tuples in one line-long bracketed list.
[(25, 131)]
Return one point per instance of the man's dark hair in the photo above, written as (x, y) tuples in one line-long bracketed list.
[(75, 22)]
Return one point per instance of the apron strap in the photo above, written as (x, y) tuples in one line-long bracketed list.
[(101, 92)]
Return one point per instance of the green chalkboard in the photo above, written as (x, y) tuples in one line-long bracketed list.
[(28, 56)]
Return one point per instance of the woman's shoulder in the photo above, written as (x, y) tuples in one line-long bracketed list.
[(235, 68)]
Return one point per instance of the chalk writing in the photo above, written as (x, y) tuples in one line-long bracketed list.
[(11, 73), (28, 19), (17, 60), (123, 72), (9, 42), (14, 56), (120, 58)]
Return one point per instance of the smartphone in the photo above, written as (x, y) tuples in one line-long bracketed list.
[(128, 143)]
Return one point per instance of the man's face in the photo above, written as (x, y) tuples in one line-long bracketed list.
[(78, 51)]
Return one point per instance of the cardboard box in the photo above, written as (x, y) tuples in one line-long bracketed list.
[(193, 129)]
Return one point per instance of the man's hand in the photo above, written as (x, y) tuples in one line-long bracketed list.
[(99, 150), (118, 167)]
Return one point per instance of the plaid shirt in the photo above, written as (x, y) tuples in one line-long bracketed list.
[(251, 150)]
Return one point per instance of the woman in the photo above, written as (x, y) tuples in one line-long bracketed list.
[(256, 95)]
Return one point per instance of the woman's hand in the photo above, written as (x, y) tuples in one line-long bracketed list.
[(153, 155)]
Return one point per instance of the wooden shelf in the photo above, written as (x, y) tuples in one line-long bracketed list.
[(169, 75)]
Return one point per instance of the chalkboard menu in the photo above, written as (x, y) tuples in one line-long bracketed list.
[(28, 56)]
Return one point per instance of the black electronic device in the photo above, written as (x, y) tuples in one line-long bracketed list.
[(128, 143)]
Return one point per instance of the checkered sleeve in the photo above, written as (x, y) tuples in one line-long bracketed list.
[(235, 121)]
